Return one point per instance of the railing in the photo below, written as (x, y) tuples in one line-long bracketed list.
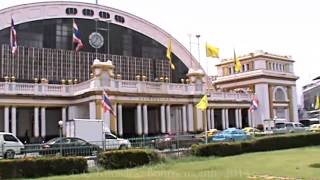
[(144, 87)]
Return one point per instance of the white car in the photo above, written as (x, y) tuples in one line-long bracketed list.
[(288, 127), (10, 145), (113, 142)]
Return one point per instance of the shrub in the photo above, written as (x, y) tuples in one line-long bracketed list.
[(39, 167), (127, 158), (261, 144), (260, 127)]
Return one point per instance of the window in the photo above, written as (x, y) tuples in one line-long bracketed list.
[(71, 11), (280, 95), (108, 136), (87, 12), (8, 137), (119, 18), (79, 141), (104, 15)]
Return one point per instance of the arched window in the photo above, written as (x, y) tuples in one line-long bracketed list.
[(280, 95)]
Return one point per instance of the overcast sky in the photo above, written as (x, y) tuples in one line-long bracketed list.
[(286, 27)]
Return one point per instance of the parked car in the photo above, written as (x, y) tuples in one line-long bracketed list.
[(70, 146), (210, 134), (314, 128), (288, 127), (309, 122), (231, 134), (254, 131), (170, 141), (10, 145), (113, 142)]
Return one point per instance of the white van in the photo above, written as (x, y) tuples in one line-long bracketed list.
[(10, 145)]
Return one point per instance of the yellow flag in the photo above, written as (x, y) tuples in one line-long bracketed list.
[(317, 102), (237, 64), (203, 104), (212, 51), (169, 54)]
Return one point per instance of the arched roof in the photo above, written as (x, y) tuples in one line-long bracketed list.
[(50, 10)]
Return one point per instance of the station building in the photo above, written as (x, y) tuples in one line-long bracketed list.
[(46, 80)]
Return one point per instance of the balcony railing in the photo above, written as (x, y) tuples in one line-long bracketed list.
[(125, 86)]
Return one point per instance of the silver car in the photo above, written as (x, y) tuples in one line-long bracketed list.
[(10, 145), (288, 127)]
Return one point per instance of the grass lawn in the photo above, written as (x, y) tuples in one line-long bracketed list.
[(292, 163)]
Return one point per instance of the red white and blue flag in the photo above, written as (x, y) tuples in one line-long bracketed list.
[(106, 103), (13, 38), (77, 36), (254, 104)]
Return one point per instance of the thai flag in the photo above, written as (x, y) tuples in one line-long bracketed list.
[(13, 38), (77, 36), (254, 104), (106, 103)]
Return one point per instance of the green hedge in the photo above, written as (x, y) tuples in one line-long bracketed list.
[(40, 167), (118, 159), (261, 144)]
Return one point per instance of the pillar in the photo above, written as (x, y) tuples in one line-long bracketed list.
[(145, 119), (263, 111), (168, 117), (120, 128), (237, 118), (212, 118), (227, 117), (293, 104), (250, 119), (64, 119), (163, 118), (43, 122), (13, 121), (92, 110), (190, 118), (184, 118), (240, 118), (106, 121), (139, 120), (200, 120), (36, 122), (208, 119), (6, 119), (223, 118)]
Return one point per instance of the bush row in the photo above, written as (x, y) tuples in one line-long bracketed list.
[(118, 159), (40, 167), (261, 144)]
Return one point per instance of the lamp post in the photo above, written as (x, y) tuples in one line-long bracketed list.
[(60, 135)]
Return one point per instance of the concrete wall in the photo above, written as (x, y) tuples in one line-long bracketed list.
[(79, 111)]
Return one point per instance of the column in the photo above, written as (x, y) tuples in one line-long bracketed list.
[(227, 118), (64, 119), (13, 120), (92, 110), (36, 122), (212, 118), (293, 106), (168, 117), (200, 120), (237, 117), (190, 118), (163, 119), (145, 119), (250, 119), (208, 119), (6, 119), (139, 120), (106, 121), (43, 121), (223, 114), (120, 129), (240, 118), (184, 118), (263, 111)]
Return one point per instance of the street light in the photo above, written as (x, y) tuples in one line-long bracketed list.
[(60, 135)]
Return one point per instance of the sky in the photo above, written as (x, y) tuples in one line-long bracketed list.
[(286, 27)]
